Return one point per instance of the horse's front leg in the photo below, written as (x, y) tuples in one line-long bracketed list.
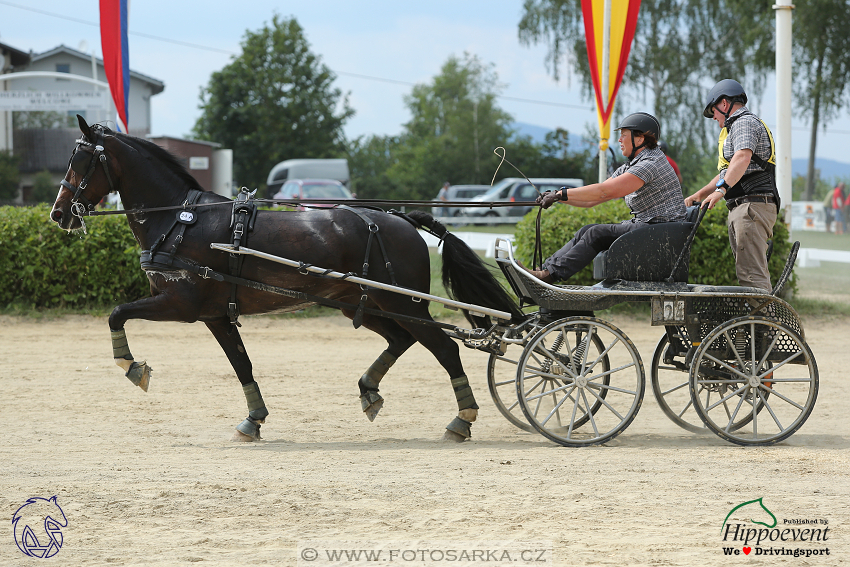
[(228, 337), (162, 307)]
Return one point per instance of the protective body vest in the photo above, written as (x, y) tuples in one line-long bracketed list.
[(756, 182)]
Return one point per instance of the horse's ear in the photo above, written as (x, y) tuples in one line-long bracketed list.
[(84, 128)]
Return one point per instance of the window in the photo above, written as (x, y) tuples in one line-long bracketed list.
[(63, 68)]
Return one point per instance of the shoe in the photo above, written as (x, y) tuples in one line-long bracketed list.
[(542, 275)]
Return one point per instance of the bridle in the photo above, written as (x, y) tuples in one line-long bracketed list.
[(80, 205)]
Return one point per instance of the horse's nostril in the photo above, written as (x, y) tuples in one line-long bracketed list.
[(56, 215)]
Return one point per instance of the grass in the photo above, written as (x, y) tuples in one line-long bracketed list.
[(823, 240)]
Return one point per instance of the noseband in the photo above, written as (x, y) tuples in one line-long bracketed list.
[(80, 205)]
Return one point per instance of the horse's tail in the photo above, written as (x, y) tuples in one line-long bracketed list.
[(465, 277)]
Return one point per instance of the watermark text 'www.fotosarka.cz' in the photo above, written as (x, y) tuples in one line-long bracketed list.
[(331, 553)]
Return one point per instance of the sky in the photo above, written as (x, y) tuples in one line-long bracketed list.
[(378, 48)]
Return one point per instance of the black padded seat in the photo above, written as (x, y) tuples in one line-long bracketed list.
[(647, 254)]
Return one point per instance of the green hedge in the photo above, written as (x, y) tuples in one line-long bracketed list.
[(43, 266), (712, 262)]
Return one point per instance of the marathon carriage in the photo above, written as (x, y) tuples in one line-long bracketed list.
[(732, 358)]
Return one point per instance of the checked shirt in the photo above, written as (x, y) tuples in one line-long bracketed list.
[(660, 199)]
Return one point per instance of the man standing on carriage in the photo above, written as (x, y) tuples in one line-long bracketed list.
[(747, 180), (646, 181)]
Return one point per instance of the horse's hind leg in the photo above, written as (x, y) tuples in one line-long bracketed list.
[(228, 337), (398, 341)]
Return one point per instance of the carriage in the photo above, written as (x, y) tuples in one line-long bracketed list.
[(732, 360)]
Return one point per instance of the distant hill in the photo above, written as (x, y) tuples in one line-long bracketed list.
[(829, 168), (538, 134)]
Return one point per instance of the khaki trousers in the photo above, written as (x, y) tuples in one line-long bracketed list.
[(750, 227)]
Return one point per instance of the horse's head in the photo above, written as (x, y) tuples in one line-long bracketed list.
[(92, 174)]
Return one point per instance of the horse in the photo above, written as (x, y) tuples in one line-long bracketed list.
[(178, 261)]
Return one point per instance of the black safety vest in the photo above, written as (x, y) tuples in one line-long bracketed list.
[(756, 182)]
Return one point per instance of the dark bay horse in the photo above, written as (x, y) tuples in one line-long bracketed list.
[(149, 178)]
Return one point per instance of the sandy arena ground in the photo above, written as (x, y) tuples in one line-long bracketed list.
[(153, 479)]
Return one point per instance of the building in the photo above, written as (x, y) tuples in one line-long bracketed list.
[(11, 58), (47, 149)]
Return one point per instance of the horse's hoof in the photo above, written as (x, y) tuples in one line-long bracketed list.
[(459, 427), (139, 374), (371, 402), (249, 429), (452, 437), (241, 437)]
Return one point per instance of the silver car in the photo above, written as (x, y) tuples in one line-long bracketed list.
[(458, 193), (515, 189)]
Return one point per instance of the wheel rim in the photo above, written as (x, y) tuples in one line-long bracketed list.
[(561, 395), (757, 369)]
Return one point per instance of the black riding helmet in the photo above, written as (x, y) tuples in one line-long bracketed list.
[(727, 88), (642, 123)]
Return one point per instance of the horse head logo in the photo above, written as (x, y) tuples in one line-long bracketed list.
[(37, 526), (752, 510)]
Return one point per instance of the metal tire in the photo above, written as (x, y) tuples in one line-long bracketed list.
[(543, 376), (501, 380), (777, 369)]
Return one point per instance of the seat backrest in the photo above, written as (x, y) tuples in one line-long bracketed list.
[(646, 254)]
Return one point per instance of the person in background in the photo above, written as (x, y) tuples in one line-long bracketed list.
[(838, 204), (443, 195), (747, 180), (664, 148), (827, 210), (646, 181)]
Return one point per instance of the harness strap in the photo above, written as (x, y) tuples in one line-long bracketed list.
[(373, 234), (241, 223)]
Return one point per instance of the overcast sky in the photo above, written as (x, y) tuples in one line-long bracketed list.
[(400, 42)]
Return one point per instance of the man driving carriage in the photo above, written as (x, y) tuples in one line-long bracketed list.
[(648, 183)]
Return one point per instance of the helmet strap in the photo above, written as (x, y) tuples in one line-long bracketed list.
[(635, 148)]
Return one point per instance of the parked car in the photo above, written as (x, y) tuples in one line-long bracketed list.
[(458, 193), (312, 191), (306, 169), (515, 189)]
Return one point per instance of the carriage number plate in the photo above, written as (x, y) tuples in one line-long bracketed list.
[(668, 311)]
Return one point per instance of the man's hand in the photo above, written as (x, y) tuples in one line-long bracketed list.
[(712, 199), (548, 198)]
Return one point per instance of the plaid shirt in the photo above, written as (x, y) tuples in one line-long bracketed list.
[(660, 199), (747, 133)]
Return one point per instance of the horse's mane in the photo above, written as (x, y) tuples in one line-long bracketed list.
[(171, 162)]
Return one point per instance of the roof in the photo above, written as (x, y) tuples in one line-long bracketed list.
[(157, 85), (188, 140), (18, 57)]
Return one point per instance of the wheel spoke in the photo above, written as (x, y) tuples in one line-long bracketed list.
[(590, 413), (610, 388), (723, 399), (734, 414), (673, 389), (770, 409), (605, 403), (556, 408)]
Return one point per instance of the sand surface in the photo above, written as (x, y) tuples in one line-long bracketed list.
[(153, 479)]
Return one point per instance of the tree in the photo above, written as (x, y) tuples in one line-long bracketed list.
[(822, 59), (455, 126), (273, 102), (43, 187), (369, 159), (675, 57), (10, 177)]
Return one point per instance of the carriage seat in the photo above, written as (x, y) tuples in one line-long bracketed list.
[(647, 254)]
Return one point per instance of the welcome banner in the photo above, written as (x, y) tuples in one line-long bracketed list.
[(624, 15)]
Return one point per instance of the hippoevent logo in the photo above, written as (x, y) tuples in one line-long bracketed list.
[(38, 527), (751, 528)]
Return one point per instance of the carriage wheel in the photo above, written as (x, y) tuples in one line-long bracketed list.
[(758, 367), (670, 377), (501, 379), (574, 395)]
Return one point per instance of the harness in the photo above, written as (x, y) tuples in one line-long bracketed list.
[(80, 206), (242, 220), (755, 183)]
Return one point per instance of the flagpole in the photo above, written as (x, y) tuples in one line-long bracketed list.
[(606, 66)]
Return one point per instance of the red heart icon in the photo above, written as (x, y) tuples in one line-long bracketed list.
[(747, 550)]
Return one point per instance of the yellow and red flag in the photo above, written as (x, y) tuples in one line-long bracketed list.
[(624, 15)]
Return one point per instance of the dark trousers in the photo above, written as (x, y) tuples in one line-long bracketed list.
[(589, 241)]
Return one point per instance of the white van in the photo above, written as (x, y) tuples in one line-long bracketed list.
[(307, 169)]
